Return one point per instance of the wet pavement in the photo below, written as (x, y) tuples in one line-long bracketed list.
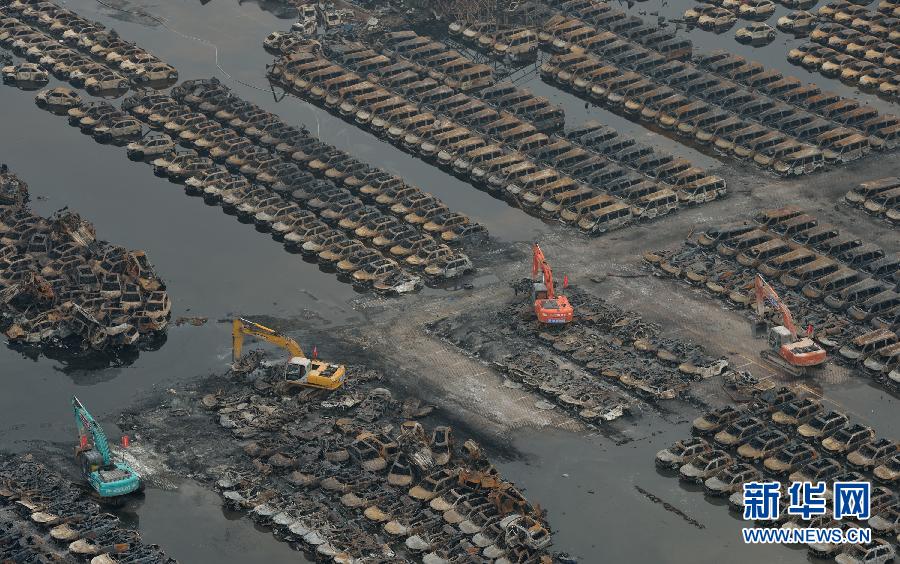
[(216, 267)]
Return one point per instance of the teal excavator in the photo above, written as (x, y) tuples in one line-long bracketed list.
[(109, 479)]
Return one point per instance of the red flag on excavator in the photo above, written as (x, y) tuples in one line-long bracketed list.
[(566, 281), (809, 330), (315, 352)]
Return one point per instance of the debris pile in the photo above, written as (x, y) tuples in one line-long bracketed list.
[(782, 437), (352, 476), (834, 283), (44, 518), (60, 286), (615, 351)]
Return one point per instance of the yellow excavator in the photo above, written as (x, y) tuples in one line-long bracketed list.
[(302, 371)]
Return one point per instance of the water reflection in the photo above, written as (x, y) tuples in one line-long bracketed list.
[(216, 535)]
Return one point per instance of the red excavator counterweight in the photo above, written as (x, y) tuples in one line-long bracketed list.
[(548, 306)]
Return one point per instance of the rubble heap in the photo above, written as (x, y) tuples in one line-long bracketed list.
[(44, 518), (353, 476), (60, 285), (619, 350)]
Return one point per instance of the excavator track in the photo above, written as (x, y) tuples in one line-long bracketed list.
[(775, 359)]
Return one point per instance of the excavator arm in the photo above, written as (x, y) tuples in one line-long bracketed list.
[(548, 280), (85, 423), (318, 374), (537, 259), (241, 327), (539, 265), (765, 291)]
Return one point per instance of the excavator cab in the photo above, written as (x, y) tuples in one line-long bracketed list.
[(550, 310), (315, 373)]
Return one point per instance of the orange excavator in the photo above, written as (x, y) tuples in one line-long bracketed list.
[(792, 354), (548, 306)]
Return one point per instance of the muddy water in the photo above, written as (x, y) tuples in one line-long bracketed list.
[(588, 486), (216, 535)]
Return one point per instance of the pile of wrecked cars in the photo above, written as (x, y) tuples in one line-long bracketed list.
[(622, 359), (355, 476), (60, 286), (45, 518), (368, 226), (854, 44), (735, 106)]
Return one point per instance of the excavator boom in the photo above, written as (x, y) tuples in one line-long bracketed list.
[(241, 327), (548, 281), (87, 425), (537, 259), (763, 292)]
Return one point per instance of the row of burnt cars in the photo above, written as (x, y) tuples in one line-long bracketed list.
[(368, 225), (847, 290), (56, 40), (786, 438), (720, 15), (499, 136), (881, 23), (60, 286), (735, 106), (856, 45), (45, 518), (356, 478), (517, 44), (889, 7), (880, 198)]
